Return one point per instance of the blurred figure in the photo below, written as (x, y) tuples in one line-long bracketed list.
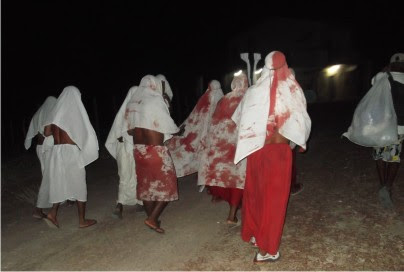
[(225, 180), (120, 145), (150, 125), (75, 146), (44, 144), (388, 157), (186, 150), (271, 118)]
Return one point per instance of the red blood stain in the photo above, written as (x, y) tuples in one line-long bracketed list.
[(203, 103), (187, 141)]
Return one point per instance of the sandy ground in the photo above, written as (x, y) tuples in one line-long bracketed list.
[(336, 223)]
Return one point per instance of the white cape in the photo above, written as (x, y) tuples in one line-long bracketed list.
[(70, 115), (38, 120)]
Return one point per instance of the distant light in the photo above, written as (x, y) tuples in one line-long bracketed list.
[(332, 70), (238, 73), (258, 71)]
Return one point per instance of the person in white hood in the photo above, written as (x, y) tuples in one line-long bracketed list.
[(120, 145), (44, 144), (150, 124), (75, 146), (271, 116)]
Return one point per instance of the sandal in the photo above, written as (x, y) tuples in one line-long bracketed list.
[(153, 227), (266, 258)]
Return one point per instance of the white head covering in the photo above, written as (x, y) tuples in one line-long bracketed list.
[(70, 115), (253, 113), (147, 109), (38, 120), (167, 86), (120, 126)]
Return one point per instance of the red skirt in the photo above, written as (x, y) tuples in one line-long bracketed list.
[(155, 173), (232, 195), (266, 195)]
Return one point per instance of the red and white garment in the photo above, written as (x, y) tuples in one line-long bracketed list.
[(186, 150), (217, 167), (275, 100), (67, 162), (123, 153), (156, 178)]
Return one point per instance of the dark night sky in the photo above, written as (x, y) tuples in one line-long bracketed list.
[(105, 47)]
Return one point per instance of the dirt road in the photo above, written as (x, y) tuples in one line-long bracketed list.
[(336, 223)]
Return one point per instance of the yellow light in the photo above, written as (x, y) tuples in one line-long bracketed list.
[(332, 70), (238, 73)]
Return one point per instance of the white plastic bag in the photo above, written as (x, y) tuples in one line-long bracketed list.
[(374, 122)]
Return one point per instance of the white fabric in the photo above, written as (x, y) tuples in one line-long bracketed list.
[(251, 115), (397, 57), (38, 120), (43, 153), (167, 88), (120, 127), (70, 115), (67, 177), (147, 109), (127, 176)]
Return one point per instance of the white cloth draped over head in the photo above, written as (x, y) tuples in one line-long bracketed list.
[(167, 88), (120, 127), (287, 110), (147, 109), (186, 150), (38, 120), (70, 115)]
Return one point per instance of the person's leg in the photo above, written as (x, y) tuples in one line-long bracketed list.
[(52, 215), (83, 222), (232, 219), (149, 207), (152, 220), (381, 171), (118, 210), (392, 169), (295, 187)]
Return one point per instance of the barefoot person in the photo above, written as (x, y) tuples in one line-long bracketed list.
[(120, 145), (186, 150), (75, 146), (271, 117), (44, 144), (151, 125), (217, 171)]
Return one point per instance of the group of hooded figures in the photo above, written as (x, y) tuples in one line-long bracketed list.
[(240, 144)]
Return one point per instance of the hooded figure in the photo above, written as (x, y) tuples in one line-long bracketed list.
[(271, 117), (120, 145), (75, 146), (186, 150), (44, 144), (150, 124), (217, 170)]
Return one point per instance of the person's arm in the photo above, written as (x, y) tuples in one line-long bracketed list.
[(47, 131)]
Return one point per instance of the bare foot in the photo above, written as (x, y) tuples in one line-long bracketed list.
[(88, 223), (51, 221), (216, 199), (154, 226), (232, 222)]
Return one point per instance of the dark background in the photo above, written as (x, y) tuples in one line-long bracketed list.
[(105, 47)]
